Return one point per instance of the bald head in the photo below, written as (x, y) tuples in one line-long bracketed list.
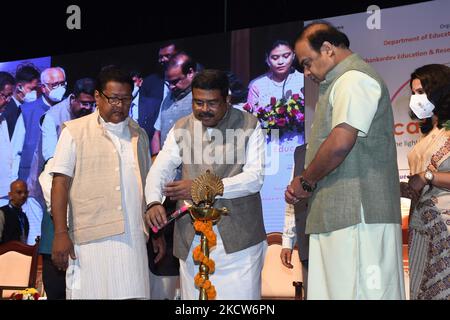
[(317, 33), (180, 72), (17, 184), (319, 48), (182, 60), (18, 193)]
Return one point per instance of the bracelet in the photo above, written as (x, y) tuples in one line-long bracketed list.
[(152, 204), (59, 232)]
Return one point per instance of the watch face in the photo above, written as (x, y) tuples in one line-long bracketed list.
[(428, 175), (306, 186)]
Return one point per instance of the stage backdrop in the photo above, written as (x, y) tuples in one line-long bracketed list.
[(241, 51), (11, 66), (409, 37)]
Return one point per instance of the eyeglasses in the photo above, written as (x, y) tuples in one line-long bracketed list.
[(5, 97), (115, 101), (55, 85), (175, 81)]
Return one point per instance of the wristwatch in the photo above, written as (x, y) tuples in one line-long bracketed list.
[(429, 176), (306, 186)]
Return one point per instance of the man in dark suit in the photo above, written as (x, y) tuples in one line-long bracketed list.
[(144, 109), (13, 221), (163, 273), (295, 225), (154, 84), (26, 90)]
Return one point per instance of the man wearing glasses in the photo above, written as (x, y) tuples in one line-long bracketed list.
[(100, 166), (80, 103), (27, 131), (180, 72), (26, 90), (26, 143)]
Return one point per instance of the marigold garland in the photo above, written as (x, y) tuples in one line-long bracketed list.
[(205, 227)]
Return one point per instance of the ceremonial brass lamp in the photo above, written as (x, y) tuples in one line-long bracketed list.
[(204, 190)]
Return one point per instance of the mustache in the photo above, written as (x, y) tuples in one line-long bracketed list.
[(206, 115)]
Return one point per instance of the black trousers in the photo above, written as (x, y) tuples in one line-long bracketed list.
[(54, 279), (305, 278)]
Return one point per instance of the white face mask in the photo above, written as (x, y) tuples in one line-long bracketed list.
[(57, 94), (135, 91), (421, 106), (30, 96)]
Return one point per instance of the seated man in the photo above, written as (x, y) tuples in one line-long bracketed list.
[(13, 221)]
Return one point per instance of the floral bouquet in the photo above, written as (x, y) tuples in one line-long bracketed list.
[(286, 115), (27, 294)]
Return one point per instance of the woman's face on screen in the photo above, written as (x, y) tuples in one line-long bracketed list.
[(280, 59)]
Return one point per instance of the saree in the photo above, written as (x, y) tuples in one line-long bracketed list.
[(429, 225)]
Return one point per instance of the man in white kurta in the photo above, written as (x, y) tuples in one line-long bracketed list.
[(100, 263), (368, 256), (354, 217), (250, 260), (237, 274), (113, 266)]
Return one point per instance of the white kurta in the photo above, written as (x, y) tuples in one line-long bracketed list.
[(115, 267), (363, 261), (238, 274), (289, 236)]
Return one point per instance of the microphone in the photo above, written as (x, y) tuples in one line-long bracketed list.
[(172, 217)]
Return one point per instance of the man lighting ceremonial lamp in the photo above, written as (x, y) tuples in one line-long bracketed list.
[(241, 238)]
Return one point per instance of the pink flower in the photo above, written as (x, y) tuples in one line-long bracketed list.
[(281, 122), (300, 116), (260, 110), (294, 112), (295, 96), (247, 107), (281, 110), (273, 101)]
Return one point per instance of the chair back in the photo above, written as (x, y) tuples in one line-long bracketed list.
[(18, 267)]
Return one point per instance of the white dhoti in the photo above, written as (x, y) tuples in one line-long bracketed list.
[(163, 287), (363, 261), (237, 275), (115, 267)]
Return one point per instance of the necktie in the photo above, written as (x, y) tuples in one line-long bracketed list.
[(22, 219)]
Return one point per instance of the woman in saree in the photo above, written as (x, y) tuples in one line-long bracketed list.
[(429, 186)]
